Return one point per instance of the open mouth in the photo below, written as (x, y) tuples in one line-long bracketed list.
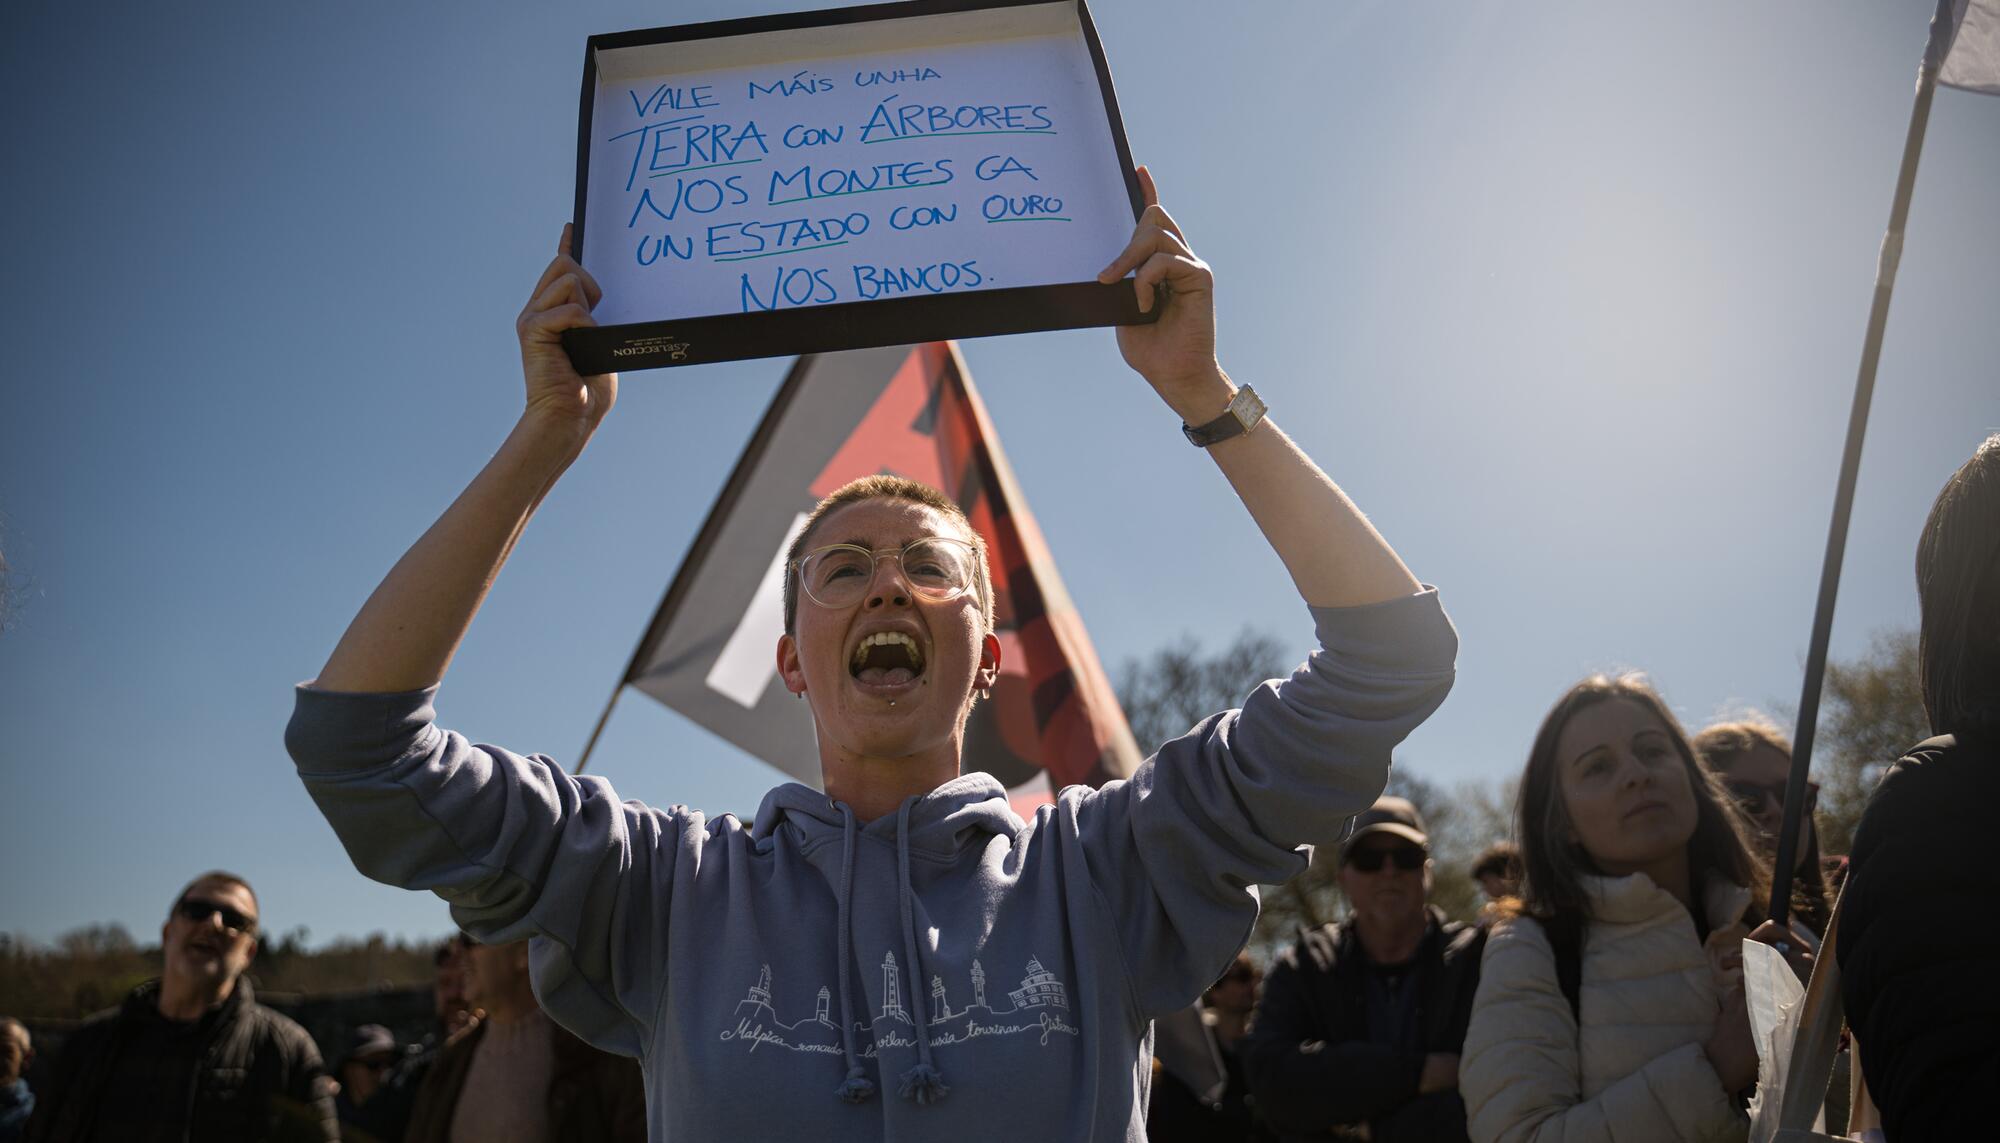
[(886, 659)]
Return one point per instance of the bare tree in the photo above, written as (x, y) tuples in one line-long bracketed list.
[(95, 966), (1871, 712), (1182, 684), (1452, 841)]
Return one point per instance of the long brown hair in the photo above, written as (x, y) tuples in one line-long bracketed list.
[(1556, 865), (1958, 589), (1716, 746)]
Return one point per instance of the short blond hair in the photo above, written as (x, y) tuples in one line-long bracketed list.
[(1724, 742), (886, 487)]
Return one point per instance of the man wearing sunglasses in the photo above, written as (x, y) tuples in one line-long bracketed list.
[(192, 1055), (1360, 1024)]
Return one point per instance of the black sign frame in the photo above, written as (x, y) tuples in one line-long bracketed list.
[(845, 325)]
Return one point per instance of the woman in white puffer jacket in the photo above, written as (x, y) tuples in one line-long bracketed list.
[(1637, 865)]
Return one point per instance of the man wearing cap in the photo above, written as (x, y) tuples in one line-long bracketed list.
[(362, 1103), (1360, 1024)]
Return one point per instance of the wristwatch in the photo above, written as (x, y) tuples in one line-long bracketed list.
[(1244, 413)]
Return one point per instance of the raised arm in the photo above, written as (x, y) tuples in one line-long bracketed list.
[(517, 846), (405, 635), (1335, 556), (1224, 807)]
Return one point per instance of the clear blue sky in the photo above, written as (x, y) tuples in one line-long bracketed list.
[(1568, 296)]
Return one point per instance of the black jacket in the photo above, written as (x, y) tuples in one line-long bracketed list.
[(1312, 1068), (1918, 934), (255, 1075)]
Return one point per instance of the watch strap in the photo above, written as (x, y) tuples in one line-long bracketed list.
[(1244, 413)]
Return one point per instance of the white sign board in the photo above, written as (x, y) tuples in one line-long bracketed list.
[(924, 151)]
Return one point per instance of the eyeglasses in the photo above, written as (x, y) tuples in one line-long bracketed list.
[(1752, 796), (199, 912), (936, 568), (1408, 858)]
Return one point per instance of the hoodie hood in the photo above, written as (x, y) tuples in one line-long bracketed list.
[(964, 811)]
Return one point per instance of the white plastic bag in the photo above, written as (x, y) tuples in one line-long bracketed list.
[(1776, 1000), (1796, 1058)]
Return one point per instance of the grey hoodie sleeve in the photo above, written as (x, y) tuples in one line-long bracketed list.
[(515, 844), (1175, 849)]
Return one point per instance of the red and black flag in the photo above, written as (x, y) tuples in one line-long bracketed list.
[(910, 411)]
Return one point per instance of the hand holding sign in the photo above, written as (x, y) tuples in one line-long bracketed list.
[(562, 299), (1176, 355)]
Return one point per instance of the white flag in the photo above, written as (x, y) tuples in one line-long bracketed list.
[(1972, 59)]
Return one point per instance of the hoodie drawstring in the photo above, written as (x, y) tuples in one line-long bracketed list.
[(857, 1087), (922, 1084)]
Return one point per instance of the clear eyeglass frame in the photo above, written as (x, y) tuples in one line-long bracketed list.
[(936, 579)]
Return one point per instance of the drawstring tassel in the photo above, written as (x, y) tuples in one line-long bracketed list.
[(857, 1088), (924, 1085)]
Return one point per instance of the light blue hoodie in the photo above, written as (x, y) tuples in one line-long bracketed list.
[(947, 971)]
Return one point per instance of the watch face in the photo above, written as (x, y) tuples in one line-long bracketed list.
[(1247, 406)]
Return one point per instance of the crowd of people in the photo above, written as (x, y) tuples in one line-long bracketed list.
[(1599, 995), (194, 1056)]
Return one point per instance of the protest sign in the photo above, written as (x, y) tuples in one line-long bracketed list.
[(858, 177)]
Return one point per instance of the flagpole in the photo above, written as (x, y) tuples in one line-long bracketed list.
[(584, 758), (1850, 465)]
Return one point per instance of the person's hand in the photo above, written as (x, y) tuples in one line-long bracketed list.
[(1440, 1073), (1788, 943), (1730, 1049), (1176, 354), (562, 299), (1725, 956)]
